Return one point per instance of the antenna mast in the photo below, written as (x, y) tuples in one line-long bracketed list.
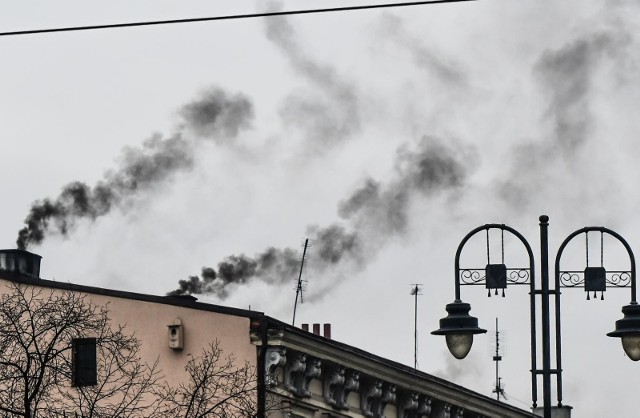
[(300, 287), (415, 291), (498, 390)]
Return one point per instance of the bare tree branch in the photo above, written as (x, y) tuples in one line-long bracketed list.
[(217, 387), (37, 327)]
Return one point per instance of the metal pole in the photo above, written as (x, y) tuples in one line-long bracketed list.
[(262, 361), (415, 330), (497, 360), (534, 335), (546, 335), (299, 285), (558, 339)]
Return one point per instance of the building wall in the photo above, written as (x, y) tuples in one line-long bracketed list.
[(149, 322)]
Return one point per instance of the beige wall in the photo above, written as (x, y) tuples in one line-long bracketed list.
[(149, 321)]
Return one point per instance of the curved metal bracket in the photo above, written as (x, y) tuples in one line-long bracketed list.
[(532, 287), (607, 231), (488, 227)]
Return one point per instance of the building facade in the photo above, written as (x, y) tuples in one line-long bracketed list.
[(305, 374)]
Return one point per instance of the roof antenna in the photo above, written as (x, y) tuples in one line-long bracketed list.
[(415, 292), (300, 286), (498, 390)]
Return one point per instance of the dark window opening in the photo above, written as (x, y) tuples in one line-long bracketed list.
[(85, 370)]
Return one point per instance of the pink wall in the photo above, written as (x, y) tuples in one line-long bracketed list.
[(149, 321)]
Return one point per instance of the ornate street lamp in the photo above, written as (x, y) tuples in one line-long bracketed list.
[(459, 327)]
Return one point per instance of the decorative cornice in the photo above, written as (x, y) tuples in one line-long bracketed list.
[(424, 407), (371, 393), (333, 383), (276, 357), (298, 372), (408, 404), (312, 371), (352, 383), (369, 368), (388, 396)]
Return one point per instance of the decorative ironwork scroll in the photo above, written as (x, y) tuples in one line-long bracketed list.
[(576, 278), (477, 276)]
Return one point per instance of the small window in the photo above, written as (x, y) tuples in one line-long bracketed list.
[(85, 371)]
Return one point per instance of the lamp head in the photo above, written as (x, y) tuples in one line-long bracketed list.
[(628, 329), (458, 327)]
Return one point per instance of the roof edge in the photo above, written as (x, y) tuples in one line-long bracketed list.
[(165, 300)]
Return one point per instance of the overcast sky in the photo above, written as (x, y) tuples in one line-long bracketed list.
[(384, 136)]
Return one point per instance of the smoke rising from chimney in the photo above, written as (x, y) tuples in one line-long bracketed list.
[(426, 58), (274, 266), (430, 167), (216, 115), (567, 77), (330, 112), (374, 213)]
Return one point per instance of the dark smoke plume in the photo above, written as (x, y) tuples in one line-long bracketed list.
[(567, 76), (218, 115), (429, 168), (141, 169), (331, 245), (328, 113), (424, 56)]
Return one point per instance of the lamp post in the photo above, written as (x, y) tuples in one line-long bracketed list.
[(459, 327)]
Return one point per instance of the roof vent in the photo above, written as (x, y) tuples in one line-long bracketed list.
[(20, 261), (189, 298)]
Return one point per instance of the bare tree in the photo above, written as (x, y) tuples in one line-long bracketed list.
[(37, 330), (125, 385), (217, 387)]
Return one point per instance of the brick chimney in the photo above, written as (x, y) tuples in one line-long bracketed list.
[(316, 329)]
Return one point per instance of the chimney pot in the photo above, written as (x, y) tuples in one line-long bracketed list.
[(327, 331), (20, 261), (316, 329), (305, 327)]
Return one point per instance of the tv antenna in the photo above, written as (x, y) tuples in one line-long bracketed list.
[(499, 389), (416, 290), (301, 283)]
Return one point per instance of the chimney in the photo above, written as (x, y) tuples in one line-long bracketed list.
[(316, 329), (327, 331), (20, 261)]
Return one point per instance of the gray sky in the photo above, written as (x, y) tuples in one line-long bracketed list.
[(385, 136)]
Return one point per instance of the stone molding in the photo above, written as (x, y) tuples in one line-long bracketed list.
[(276, 357), (338, 381)]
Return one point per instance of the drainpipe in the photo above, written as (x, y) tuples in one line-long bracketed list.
[(262, 357)]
